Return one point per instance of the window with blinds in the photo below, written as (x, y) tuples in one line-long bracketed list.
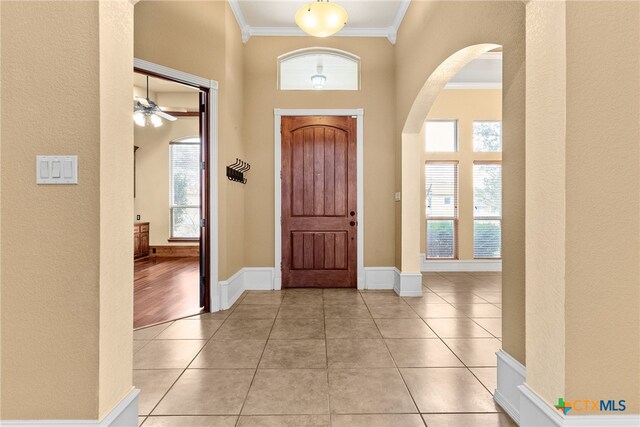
[(441, 136), (441, 209), (184, 163), (487, 203)]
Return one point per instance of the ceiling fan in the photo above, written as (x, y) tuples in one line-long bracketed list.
[(146, 112)]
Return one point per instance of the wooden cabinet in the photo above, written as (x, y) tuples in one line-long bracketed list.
[(140, 239)]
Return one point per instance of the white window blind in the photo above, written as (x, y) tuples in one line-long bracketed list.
[(184, 159), (441, 136), (487, 136), (487, 201), (441, 209)]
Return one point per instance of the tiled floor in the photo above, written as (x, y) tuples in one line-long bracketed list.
[(329, 357)]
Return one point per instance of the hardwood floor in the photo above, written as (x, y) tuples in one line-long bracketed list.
[(165, 289)]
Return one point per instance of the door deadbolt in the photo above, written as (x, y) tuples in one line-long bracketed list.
[(352, 213)]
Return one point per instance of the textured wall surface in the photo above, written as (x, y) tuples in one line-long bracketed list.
[(203, 38), (583, 201), (602, 291), (546, 195), (116, 204), (66, 285)]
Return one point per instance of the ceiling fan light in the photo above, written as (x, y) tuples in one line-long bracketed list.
[(138, 118), (321, 19), (156, 121)]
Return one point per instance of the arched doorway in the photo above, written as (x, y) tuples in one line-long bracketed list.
[(410, 220)]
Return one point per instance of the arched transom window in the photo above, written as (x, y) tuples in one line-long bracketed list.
[(318, 69)]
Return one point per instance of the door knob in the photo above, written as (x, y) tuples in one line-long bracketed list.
[(352, 223)]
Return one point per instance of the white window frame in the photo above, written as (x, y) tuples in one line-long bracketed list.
[(455, 136), (322, 51), (455, 218), (485, 217), (187, 140)]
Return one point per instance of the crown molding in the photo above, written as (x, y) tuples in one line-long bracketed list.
[(249, 31), (404, 6), (242, 23)]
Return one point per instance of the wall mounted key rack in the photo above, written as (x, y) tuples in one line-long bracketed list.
[(236, 171)]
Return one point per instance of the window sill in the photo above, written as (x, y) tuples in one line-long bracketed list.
[(184, 239)]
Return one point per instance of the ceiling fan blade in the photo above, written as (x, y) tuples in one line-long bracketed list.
[(164, 115), (143, 101)]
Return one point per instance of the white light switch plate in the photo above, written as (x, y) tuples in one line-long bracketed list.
[(56, 169)]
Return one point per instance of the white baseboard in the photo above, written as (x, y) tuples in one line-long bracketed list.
[(379, 277), (247, 279), (258, 278), (511, 374), (535, 412), (230, 290), (408, 284), (460, 265), (125, 414)]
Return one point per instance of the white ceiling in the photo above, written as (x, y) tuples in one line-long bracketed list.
[(369, 18), (484, 72)]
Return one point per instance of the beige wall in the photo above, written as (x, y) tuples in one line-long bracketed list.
[(546, 194), (66, 256), (586, 99), (465, 106), (444, 28), (603, 225), (116, 172), (231, 226), (202, 38), (152, 175), (376, 97)]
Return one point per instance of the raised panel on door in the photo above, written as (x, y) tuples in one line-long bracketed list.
[(319, 202)]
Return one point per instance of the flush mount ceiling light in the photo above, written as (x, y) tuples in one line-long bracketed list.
[(321, 19)]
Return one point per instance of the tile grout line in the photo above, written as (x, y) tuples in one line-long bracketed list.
[(456, 355), (461, 361), (326, 353), (188, 364), (368, 307), (255, 372), (415, 404)]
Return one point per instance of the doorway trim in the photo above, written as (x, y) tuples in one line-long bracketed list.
[(358, 114), (212, 220)]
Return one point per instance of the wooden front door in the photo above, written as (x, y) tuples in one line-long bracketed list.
[(319, 220)]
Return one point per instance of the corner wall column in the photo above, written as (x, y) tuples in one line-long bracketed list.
[(582, 210), (66, 250)]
